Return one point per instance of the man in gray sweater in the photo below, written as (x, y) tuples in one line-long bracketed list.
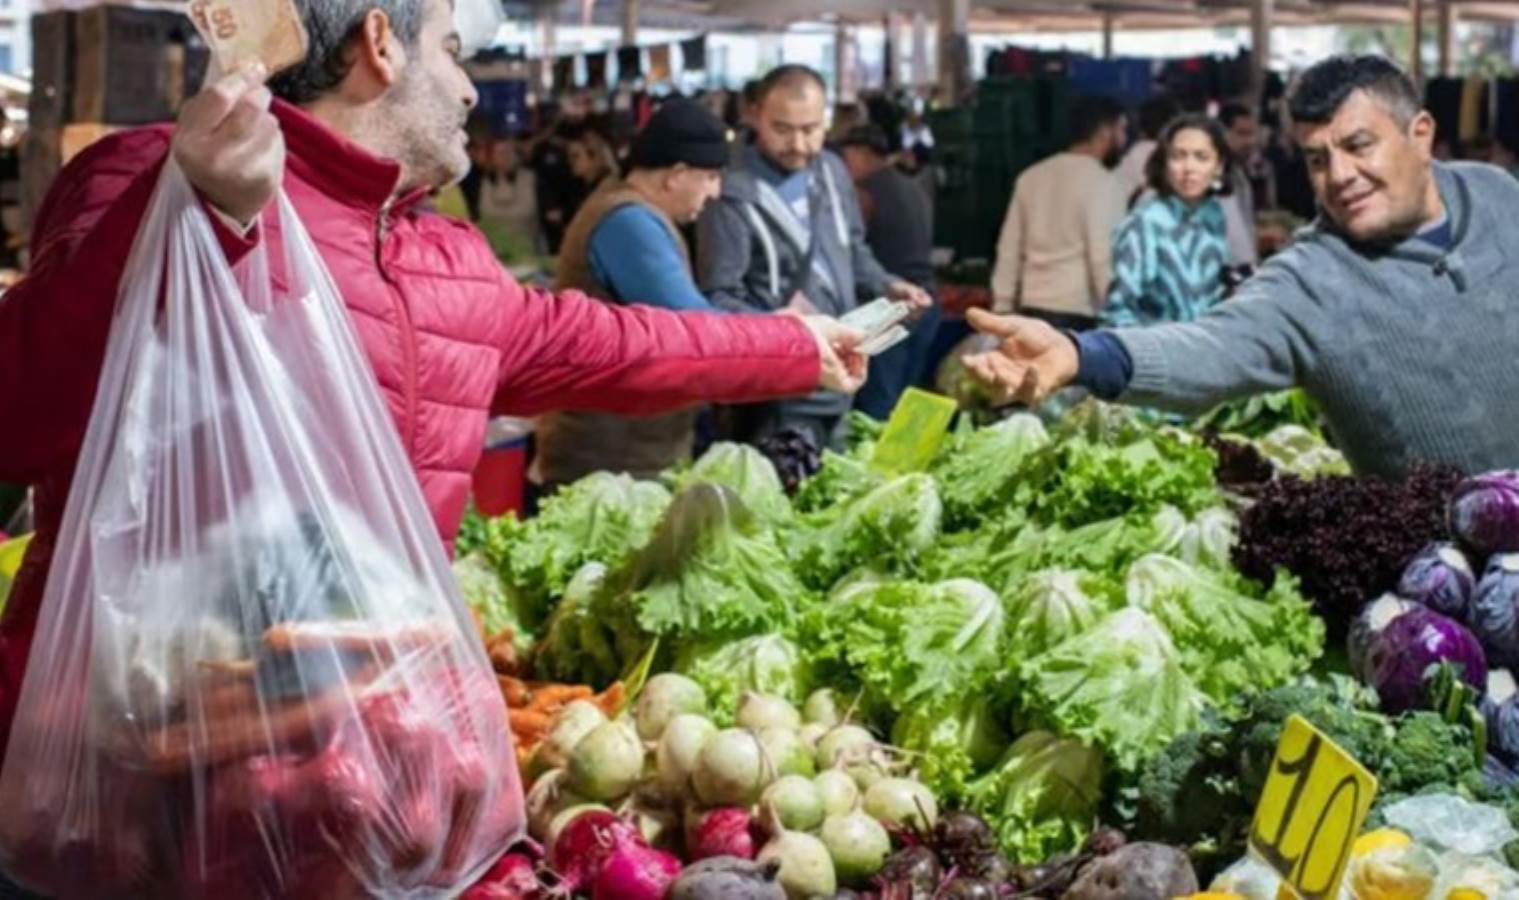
[(1395, 310)]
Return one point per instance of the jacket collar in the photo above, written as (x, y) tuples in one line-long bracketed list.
[(336, 166)]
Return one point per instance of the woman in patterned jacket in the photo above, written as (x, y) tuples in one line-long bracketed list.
[(1170, 253)]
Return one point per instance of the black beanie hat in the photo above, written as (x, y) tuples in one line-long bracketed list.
[(682, 131)]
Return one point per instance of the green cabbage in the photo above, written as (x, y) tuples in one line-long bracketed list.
[(498, 605)]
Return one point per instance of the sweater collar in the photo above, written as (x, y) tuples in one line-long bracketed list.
[(338, 167)]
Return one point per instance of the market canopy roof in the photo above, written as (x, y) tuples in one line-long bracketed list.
[(1009, 15)]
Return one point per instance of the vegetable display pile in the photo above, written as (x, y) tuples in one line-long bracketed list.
[(1054, 626)]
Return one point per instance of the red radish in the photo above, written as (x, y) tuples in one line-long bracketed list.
[(728, 831), (636, 873), (584, 846), (511, 878)]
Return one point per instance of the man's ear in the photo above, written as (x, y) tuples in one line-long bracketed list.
[(378, 55), (1422, 131)]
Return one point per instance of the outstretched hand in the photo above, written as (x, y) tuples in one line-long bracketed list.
[(1032, 359)]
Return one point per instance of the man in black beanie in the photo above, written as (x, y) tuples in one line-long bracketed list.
[(625, 246)]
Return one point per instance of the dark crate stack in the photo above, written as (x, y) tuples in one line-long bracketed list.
[(98, 70), (981, 150)]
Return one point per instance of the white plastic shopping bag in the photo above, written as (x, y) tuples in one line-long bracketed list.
[(253, 675)]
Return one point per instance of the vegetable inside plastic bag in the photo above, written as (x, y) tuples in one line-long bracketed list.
[(253, 675), (1446, 822)]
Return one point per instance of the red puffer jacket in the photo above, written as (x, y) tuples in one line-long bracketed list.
[(452, 337)]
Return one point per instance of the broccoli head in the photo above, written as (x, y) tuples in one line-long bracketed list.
[(1429, 751), (1188, 794), (1333, 708)]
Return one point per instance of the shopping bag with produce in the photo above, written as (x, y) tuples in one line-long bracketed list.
[(253, 675)]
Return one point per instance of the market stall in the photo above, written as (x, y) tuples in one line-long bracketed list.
[(1055, 660)]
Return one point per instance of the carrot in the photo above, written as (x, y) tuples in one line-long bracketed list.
[(516, 692), (610, 700)]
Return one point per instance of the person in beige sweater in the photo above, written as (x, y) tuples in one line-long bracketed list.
[(1054, 258)]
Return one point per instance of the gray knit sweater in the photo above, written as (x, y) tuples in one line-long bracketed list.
[(1413, 353)]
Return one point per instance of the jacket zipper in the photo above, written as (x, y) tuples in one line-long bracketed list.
[(408, 334)]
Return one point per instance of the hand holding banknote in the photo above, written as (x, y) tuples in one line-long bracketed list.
[(228, 142)]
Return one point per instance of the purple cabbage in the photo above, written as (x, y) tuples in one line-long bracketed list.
[(1441, 579), (1500, 706), (1366, 632), (1494, 610), (1410, 645), (1484, 513)]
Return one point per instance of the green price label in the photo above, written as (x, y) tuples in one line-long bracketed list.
[(914, 433), (1312, 808)]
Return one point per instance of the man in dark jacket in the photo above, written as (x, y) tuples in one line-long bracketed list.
[(786, 233), (899, 228)]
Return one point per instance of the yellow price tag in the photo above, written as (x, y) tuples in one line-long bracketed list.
[(1315, 800), (914, 432), (12, 552)]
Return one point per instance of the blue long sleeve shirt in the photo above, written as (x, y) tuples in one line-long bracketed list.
[(633, 255)]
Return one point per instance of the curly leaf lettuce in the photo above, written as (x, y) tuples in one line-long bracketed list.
[(1042, 798), (745, 471), (950, 742), (909, 642), (1052, 606), (496, 603), (1119, 686), (893, 524), (1229, 642), (976, 475), (1078, 482), (712, 570), (726, 670), (600, 518)]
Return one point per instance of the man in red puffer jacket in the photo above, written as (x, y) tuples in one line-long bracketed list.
[(356, 137)]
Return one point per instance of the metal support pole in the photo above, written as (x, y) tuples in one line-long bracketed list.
[(1446, 33), (629, 23), (1107, 34), (920, 71), (548, 42), (892, 56), (1416, 48), (1261, 14), (843, 64), (954, 50)]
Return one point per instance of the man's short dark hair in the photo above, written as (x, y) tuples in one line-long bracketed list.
[(331, 26), (1320, 91), (791, 76), (1232, 112), (1091, 114), (1155, 114)]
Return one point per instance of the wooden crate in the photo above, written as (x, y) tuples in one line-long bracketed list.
[(52, 69), (133, 66)]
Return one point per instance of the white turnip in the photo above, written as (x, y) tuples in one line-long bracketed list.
[(664, 697)]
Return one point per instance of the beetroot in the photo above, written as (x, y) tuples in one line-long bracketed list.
[(513, 877), (728, 831), (585, 845), (636, 873)]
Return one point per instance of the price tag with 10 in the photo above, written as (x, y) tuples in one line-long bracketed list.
[(1311, 810)]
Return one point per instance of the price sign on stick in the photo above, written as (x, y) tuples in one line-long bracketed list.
[(1315, 800), (913, 433)]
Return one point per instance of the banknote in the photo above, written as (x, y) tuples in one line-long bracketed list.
[(880, 343), (877, 317), (241, 32)]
